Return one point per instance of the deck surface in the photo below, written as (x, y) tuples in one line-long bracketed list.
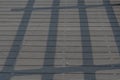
[(59, 40)]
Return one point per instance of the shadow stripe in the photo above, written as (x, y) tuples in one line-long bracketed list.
[(64, 7), (23, 25), (69, 69), (84, 26), (53, 25), (113, 21)]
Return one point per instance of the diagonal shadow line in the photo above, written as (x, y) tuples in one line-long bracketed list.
[(114, 23), (23, 25), (53, 25), (64, 7)]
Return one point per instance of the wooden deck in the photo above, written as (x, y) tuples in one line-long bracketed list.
[(59, 40)]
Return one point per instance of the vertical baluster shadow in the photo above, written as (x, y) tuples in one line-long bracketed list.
[(86, 51), (113, 21), (50, 51), (14, 51)]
